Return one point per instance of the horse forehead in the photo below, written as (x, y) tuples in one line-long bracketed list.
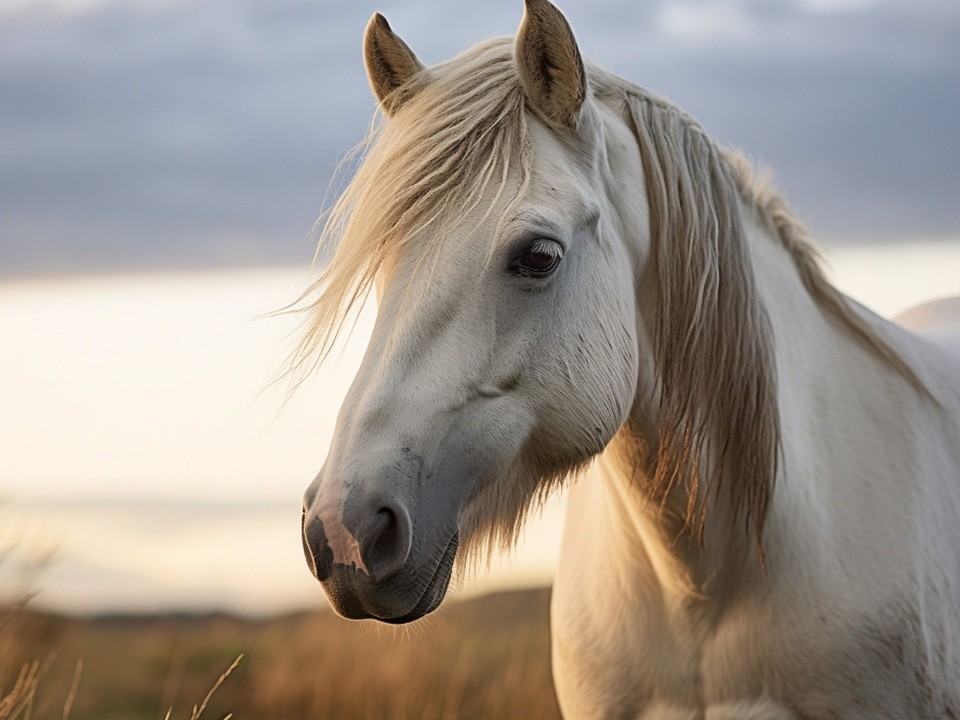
[(563, 173)]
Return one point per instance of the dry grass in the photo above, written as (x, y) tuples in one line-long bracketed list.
[(18, 696), (487, 658), (198, 709)]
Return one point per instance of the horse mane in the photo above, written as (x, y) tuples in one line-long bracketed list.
[(713, 343), (712, 339), (461, 126)]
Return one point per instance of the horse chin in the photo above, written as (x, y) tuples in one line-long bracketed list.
[(435, 591), (352, 607)]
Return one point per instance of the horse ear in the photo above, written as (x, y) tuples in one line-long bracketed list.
[(390, 63), (551, 69)]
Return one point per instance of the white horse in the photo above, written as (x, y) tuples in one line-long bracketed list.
[(574, 280)]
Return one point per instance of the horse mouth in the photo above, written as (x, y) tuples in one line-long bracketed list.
[(435, 589)]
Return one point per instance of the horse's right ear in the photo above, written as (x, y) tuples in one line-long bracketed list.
[(390, 63), (550, 66)]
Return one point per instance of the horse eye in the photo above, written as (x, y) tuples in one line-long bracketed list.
[(539, 259)]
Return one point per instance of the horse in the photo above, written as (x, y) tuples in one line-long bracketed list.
[(578, 287)]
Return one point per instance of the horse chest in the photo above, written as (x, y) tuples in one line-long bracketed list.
[(620, 650), (643, 666), (643, 669)]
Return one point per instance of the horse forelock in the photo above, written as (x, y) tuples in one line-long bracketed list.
[(430, 165)]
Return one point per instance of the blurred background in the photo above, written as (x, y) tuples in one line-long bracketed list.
[(162, 163)]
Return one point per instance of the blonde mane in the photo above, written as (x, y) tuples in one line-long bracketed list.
[(712, 340), (460, 127)]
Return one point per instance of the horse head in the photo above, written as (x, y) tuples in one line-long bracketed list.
[(489, 215)]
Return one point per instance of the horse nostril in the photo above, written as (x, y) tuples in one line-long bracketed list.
[(390, 543), (386, 535)]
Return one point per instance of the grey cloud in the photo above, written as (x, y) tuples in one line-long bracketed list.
[(205, 132)]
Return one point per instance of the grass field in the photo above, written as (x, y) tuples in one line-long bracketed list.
[(483, 658)]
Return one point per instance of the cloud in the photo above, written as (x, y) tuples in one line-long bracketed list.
[(701, 22), (139, 133)]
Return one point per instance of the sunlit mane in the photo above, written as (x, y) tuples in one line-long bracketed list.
[(712, 341), (459, 129)]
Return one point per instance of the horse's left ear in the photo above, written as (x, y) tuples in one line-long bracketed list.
[(390, 62), (550, 66)]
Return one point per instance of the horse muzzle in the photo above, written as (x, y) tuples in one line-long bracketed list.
[(370, 567)]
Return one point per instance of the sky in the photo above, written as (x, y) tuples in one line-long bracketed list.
[(154, 134), (162, 163)]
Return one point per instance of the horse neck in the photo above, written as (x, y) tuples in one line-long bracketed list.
[(823, 372)]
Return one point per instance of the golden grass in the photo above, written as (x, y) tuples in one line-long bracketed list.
[(486, 658), (198, 709)]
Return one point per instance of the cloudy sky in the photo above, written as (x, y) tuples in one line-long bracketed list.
[(147, 134)]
